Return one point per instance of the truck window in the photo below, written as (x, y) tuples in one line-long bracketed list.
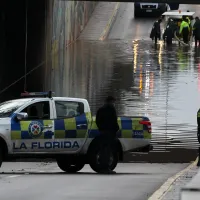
[(68, 109), (39, 110)]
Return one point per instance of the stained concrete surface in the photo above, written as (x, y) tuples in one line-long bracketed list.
[(22, 181)]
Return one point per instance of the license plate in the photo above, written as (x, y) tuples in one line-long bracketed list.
[(148, 10)]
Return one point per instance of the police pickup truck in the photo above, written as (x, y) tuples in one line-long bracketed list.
[(63, 128)]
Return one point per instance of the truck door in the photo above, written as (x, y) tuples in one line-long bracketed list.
[(71, 126), (36, 133)]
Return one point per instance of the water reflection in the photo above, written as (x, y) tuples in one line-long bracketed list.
[(156, 81)]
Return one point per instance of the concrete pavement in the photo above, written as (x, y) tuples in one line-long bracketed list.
[(21, 181), (171, 189), (191, 190), (101, 21)]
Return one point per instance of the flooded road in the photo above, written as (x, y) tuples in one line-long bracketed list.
[(160, 82), (144, 79)]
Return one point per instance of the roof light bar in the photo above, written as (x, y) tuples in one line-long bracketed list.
[(37, 94)]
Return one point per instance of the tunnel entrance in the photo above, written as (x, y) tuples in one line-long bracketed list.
[(14, 16)]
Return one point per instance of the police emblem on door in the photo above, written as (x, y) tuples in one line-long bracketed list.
[(35, 129)]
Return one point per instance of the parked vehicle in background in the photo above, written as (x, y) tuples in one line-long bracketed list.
[(175, 16), (174, 6), (144, 9)]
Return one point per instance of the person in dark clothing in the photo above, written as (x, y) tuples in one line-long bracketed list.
[(190, 17), (169, 32), (106, 120), (196, 31), (156, 32), (198, 135), (185, 30)]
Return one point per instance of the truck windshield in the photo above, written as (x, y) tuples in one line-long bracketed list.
[(8, 107)]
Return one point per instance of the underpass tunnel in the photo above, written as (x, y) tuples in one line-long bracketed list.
[(13, 54)]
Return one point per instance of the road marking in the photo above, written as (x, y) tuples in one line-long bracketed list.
[(162, 191), (14, 176), (110, 21)]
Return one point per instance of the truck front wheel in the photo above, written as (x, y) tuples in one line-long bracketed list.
[(69, 167)]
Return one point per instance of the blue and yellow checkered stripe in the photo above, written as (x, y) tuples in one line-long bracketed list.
[(19, 131), (129, 128), (68, 128)]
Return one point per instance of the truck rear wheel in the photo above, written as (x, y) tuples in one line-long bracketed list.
[(1, 156), (94, 158), (70, 167)]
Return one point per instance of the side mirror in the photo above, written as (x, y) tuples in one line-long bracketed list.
[(22, 115)]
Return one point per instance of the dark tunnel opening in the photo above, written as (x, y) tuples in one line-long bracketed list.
[(12, 48)]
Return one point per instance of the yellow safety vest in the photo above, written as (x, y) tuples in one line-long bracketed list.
[(188, 20), (184, 25)]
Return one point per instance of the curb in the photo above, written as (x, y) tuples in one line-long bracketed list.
[(162, 191), (110, 22)]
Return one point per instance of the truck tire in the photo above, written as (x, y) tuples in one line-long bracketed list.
[(68, 167), (1, 156), (136, 14), (94, 158)]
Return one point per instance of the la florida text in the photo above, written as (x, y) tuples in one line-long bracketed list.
[(47, 145)]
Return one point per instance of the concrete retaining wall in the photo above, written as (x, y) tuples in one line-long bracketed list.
[(69, 20)]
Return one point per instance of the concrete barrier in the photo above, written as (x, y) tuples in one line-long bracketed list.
[(110, 22)]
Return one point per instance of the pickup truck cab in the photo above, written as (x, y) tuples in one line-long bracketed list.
[(63, 128)]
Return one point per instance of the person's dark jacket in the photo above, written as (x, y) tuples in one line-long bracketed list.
[(155, 31), (196, 30), (198, 125), (106, 118), (169, 31)]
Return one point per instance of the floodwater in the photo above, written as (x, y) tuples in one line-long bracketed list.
[(160, 82)]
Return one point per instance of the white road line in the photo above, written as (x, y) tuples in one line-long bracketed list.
[(14, 176)]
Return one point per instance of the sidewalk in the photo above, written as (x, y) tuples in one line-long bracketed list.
[(175, 190), (101, 21), (171, 189), (192, 189)]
